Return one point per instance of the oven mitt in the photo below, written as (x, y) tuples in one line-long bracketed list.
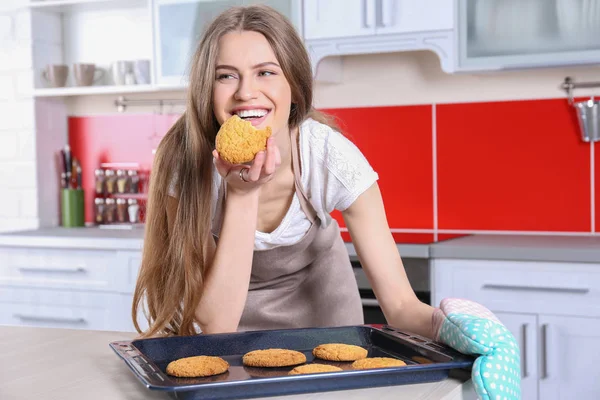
[(472, 329)]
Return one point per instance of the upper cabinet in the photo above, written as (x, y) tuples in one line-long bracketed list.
[(179, 24), (509, 34), (344, 27)]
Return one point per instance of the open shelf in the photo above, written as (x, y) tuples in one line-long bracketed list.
[(65, 6), (99, 90)]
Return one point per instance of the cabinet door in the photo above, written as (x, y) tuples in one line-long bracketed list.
[(524, 329), (338, 18), (178, 25), (409, 16), (569, 367), (513, 33)]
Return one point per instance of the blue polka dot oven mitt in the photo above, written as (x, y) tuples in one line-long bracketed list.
[(472, 329)]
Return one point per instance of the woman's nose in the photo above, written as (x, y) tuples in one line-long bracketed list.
[(247, 90)]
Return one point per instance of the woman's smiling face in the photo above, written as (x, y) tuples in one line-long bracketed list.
[(250, 83)]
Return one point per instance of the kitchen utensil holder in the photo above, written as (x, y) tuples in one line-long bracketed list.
[(588, 111), (73, 210)]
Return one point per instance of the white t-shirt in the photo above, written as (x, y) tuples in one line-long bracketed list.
[(334, 174)]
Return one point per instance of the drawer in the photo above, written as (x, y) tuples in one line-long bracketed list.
[(68, 269), (515, 286), (64, 309)]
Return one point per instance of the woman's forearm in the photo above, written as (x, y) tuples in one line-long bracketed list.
[(416, 317), (226, 284)]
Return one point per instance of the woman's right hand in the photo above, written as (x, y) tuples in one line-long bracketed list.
[(243, 178)]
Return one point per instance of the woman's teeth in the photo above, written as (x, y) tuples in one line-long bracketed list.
[(251, 113)]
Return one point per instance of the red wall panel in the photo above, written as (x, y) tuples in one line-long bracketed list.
[(517, 165), (397, 141)]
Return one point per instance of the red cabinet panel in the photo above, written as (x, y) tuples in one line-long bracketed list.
[(397, 141), (516, 165)]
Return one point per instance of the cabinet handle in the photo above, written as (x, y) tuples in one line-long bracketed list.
[(524, 372), (365, 14), (544, 344), (41, 318), (537, 288), (379, 14), (369, 302), (53, 270)]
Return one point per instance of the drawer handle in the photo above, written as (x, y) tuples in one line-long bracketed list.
[(544, 345), (41, 318), (53, 270), (537, 289), (369, 302)]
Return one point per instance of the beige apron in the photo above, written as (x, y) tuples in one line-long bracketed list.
[(307, 284)]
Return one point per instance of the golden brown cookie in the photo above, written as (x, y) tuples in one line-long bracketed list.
[(339, 352), (313, 369), (377, 362), (192, 367), (238, 141), (273, 358)]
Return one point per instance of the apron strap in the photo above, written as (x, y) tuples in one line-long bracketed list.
[(296, 167)]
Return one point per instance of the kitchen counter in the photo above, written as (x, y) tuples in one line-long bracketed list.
[(77, 364), (488, 247), (76, 238), (127, 239), (584, 249)]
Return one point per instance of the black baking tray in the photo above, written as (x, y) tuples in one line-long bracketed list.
[(426, 361)]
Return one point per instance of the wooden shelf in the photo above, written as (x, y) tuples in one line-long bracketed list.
[(99, 90)]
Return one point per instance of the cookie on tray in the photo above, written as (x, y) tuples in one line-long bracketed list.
[(339, 352), (377, 362), (313, 369), (273, 358), (238, 141), (197, 366)]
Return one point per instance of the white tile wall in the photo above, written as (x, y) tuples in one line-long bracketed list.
[(18, 165)]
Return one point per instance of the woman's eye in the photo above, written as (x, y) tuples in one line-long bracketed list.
[(266, 73), (224, 76)]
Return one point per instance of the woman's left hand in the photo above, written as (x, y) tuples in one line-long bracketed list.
[(472, 329)]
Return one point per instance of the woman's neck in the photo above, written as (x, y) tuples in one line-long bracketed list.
[(284, 143)]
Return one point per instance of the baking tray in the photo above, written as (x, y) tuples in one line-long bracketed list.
[(426, 361)]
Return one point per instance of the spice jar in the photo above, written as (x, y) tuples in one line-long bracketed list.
[(134, 211), (122, 181), (109, 211), (134, 181), (99, 210), (110, 180), (100, 178), (121, 210)]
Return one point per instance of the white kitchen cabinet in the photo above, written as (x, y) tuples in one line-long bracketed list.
[(178, 26), (510, 34), (338, 18), (68, 288), (552, 309), (569, 368), (338, 28), (405, 16), (524, 329)]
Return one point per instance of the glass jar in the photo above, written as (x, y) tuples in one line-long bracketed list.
[(122, 181), (99, 210), (121, 210), (111, 181), (134, 181), (134, 211), (109, 211), (99, 185)]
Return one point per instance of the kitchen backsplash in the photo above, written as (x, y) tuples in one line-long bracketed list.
[(445, 170)]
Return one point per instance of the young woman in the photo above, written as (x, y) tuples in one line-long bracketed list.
[(245, 247)]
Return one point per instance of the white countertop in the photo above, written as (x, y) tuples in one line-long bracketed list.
[(53, 364), (585, 249), (485, 247)]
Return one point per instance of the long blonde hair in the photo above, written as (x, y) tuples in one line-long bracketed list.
[(174, 264)]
